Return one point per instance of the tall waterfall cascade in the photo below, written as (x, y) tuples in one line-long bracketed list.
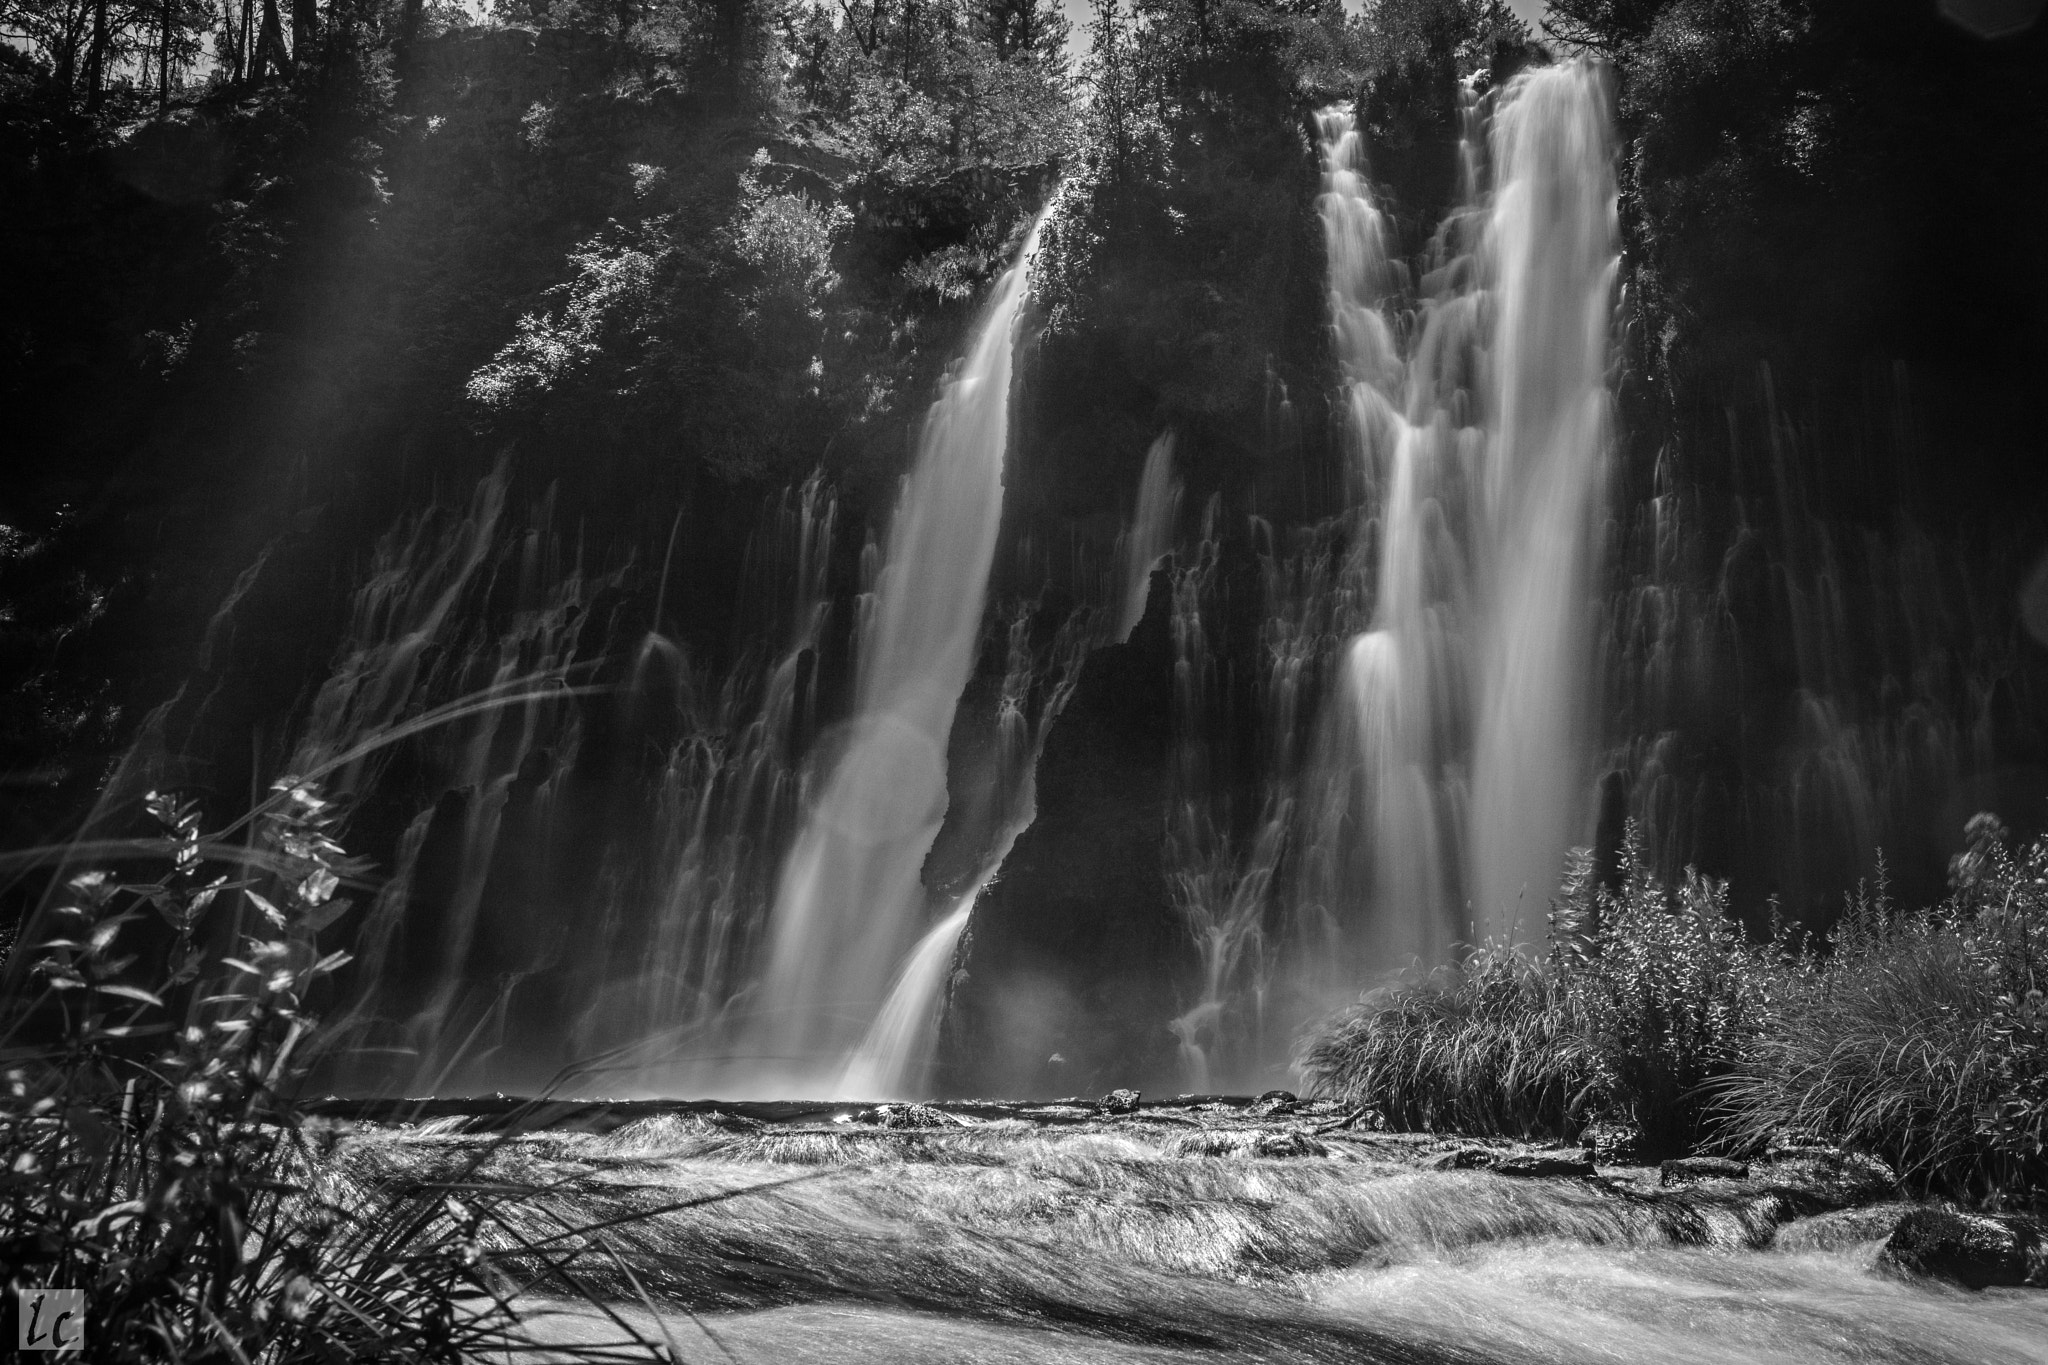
[(1457, 730), (850, 908)]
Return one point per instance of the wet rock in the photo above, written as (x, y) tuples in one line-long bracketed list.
[(668, 1134), (904, 1116), (1841, 1229), (1276, 1102), (1120, 1102), (1612, 1142), (1977, 1251), (1831, 1176), (1247, 1142), (1287, 1144), (1793, 1141), (1466, 1159), (1366, 1119), (1687, 1169), (1559, 1161)]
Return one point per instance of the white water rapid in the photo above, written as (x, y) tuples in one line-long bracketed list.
[(850, 904)]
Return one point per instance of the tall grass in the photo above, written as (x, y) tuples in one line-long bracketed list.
[(153, 1156), (1639, 1000), (1921, 1036)]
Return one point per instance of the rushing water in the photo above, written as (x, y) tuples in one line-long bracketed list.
[(1458, 729), (1051, 1233), (851, 902)]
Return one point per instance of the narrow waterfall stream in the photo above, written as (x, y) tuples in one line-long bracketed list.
[(1150, 534), (850, 904)]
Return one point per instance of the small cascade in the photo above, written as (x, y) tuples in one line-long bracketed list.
[(850, 902), (1150, 535)]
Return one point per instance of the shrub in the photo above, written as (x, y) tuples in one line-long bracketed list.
[(1644, 996), (1487, 1045), (1921, 1037), (1924, 1035)]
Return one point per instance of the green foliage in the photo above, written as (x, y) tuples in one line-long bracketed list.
[(1665, 988), (1486, 1046), (154, 1154), (1923, 1037), (1645, 995), (1417, 54)]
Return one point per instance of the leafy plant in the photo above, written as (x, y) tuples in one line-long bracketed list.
[(1924, 1035), (1920, 1036), (155, 1155)]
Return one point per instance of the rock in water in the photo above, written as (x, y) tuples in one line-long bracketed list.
[(1558, 1161), (904, 1116), (1120, 1102), (1687, 1169), (1466, 1159), (1839, 1177), (1612, 1142), (1275, 1102), (1975, 1250), (1242, 1143)]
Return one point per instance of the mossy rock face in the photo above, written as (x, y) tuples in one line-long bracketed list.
[(1977, 1251)]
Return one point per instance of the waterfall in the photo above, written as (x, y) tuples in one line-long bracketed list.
[(850, 902), (1151, 531), (1552, 259), (1456, 732)]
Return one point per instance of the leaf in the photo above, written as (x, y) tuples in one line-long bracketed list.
[(130, 993), (319, 886), (319, 917), (270, 912)]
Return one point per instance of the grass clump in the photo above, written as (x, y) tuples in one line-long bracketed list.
[(1640, 999), (1920, 1036), (1923, 1036)]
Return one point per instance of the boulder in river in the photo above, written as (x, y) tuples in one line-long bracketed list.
[(1466, 1159), (1831, 1175), (1554, 1162), (1976, 1250), (1687, 1169), (1120, 1102), (905, 1116), (1612, 1142)]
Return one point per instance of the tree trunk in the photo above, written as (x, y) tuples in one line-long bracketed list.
[(163, 58), (305, 31), (96, 59), (243, 54), (270, 50)]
